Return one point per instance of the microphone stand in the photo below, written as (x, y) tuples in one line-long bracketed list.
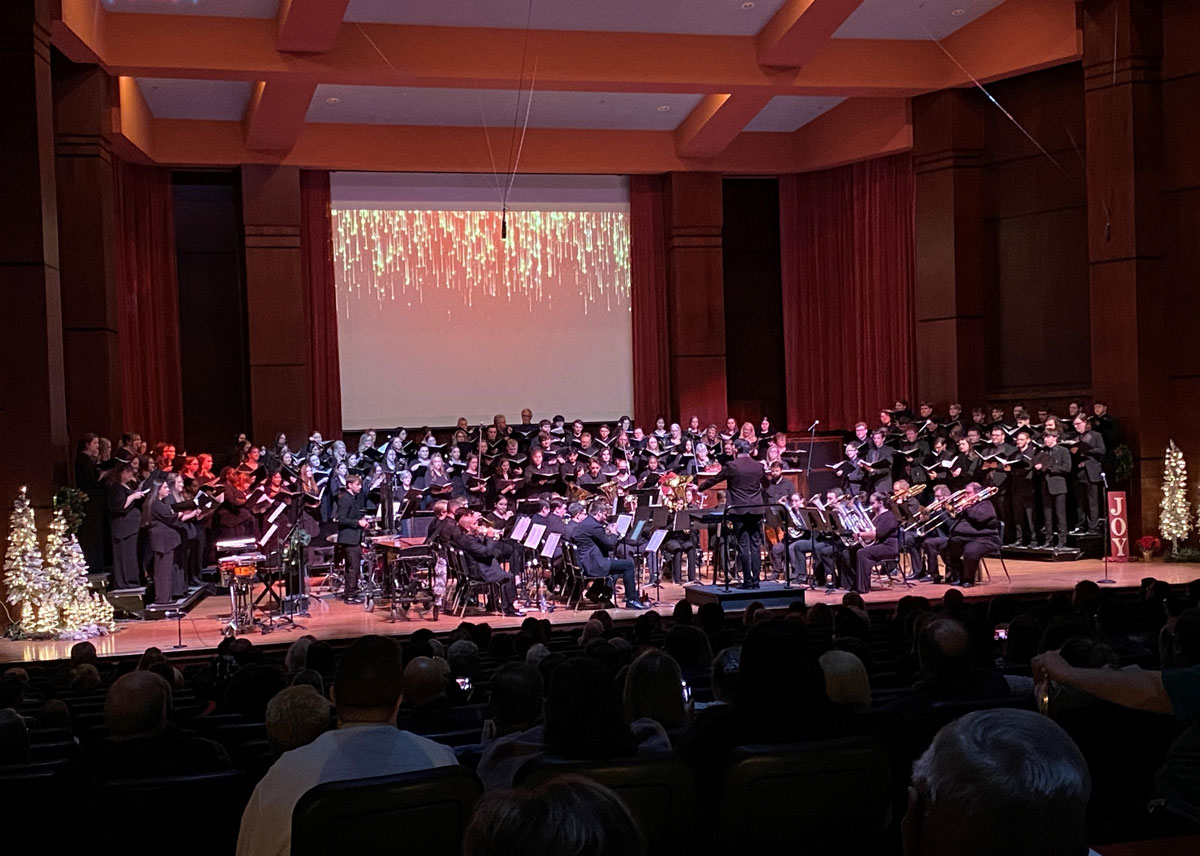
[(812, 438), (1107, 533)]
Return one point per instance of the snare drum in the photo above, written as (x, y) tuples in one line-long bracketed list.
[(228, 569)]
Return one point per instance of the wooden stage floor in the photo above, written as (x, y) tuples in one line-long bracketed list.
[(331, 619)]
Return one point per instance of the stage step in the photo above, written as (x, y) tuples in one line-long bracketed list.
[(131, 603), (1043, 554), (772, 595)]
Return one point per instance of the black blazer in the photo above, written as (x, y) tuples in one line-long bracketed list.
[(1091, 456), (125, 522), (744, 478), (979, 522), (593, 544), (166, 529), (350, 509), (1056, 465)]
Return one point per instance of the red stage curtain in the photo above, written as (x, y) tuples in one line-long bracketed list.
[(148, 303), (648, 283), (846, 240), (320, 304)]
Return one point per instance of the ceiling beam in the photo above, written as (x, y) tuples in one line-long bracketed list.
[(275, 114), (546, 150), (845, 134), (199, 47), (1049, 36), (132, 123), (800, 29), (308, 26), (715, 122)]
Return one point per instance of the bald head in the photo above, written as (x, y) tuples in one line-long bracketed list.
[(945, 650), (423, 681), (136, 705)]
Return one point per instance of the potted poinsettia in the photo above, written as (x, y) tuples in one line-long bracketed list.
[(1149, 545)]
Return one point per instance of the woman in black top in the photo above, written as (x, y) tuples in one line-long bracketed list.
[(125, 520), (87, 479)]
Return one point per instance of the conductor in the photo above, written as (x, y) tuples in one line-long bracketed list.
[(744, 479)]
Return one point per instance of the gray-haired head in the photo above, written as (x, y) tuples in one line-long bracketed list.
[(999, 782)]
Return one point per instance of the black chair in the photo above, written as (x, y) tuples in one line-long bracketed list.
[(998, 553), (467, 588), (463, 737), (54, 751), (428, 810), (222, 797), (234, 734), (253, 757), (659, 793), (828, 797)]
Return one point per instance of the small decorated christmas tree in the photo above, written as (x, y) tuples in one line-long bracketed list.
[(1175, 518), (79, 614), (24, 575)]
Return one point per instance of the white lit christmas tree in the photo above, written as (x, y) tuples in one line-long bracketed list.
[(1175, 518), (80, 614), (24, 574)]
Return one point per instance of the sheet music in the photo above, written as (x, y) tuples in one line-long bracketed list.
[(655, 542), (551, 545), (535, 536), (262, 542), (276, 512), (623, 523), (521, 527)]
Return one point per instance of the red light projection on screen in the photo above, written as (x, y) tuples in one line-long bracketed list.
[(434, 264)]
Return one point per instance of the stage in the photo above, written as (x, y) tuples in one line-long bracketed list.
[(332, 619)]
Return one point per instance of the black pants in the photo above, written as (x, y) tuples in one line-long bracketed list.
[(867, 558), (1054, 509), (1087, 495), (493, 573), (622, 568), (747, 532), (349, 555), (164, 577), (676, 545), (932, 546), (822, 553), (125, 562), (1025, 531), (963, 555)]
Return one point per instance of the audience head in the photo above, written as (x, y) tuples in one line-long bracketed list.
[(84, 679), (84, 652), (583, 713), (250, 689), (710, 617), (297, 716), (654, 690), (779, 670), (309, 678), (998, 782), (424, 681), (369, 681), (463, 657), (137, 705), (945, 651), (516, 698), (14, 737), (297, 654), (593, 629), (320, 658), (568, 815), (846, 681), (682, 613)]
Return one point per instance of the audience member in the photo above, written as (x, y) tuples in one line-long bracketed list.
[(297, 653), (141, 742), (515, 704), (654, 690), (997, 783), (14, 737), (948, 672), (846, 681), (568, 815), (84, 680), (366, 691), (426, 708), (296, 716), (311, 678)]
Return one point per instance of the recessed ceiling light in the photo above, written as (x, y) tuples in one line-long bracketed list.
[(332, 99), (663, 108), (958, 12), (748, 5)]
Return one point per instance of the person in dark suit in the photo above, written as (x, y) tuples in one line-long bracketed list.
[(481, 558), (885, 543), (1021, 478), (855, 476), (998, 475), (166, 531), (879, 456), (1054, 464), (1089, 473), (350, 512), (595, 546), (743, 477), (929, 546), (125, 521), (974, 534)]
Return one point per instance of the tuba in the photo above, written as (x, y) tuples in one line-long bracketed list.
[(677, 491)]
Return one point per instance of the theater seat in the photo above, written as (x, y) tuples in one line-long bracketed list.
[(426, 811), (659, 792), (161, 802), (814, 798)]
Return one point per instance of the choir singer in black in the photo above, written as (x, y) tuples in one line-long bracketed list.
[(743, 477), (351, 516)]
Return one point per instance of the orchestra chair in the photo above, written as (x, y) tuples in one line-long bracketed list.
[(659, 793), (222, 796), (998, 553), (830, 797), (466, 588), (889, 569), (428, 810), (575, 582)]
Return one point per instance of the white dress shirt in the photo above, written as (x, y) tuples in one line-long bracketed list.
[(353, 751)]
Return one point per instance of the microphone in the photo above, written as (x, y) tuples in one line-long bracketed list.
[(816, 422)]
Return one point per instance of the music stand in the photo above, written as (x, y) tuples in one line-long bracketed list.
[(652, 549)]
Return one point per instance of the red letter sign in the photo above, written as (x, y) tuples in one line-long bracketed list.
[(1118, 527)]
